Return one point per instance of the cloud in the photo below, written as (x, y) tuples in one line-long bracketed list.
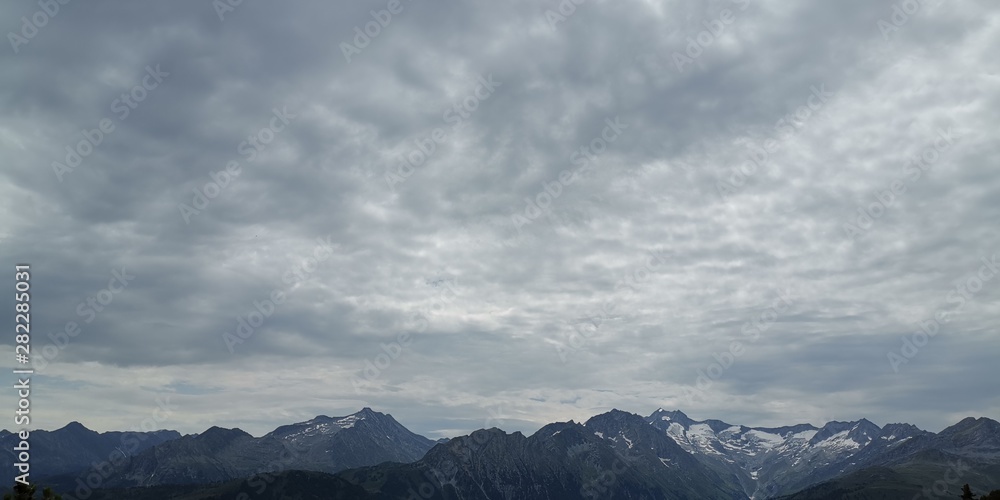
[(494, 306)]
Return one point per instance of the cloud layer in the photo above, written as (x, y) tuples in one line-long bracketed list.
[(518, 210)]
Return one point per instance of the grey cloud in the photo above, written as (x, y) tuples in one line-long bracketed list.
[(519, 288)]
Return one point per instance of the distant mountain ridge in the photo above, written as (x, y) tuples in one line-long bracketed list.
[(323, 444), (666, 455), (75, 447), (770, 462), (613, 455)]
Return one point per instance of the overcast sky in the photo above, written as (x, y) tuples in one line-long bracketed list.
[(648, 244)]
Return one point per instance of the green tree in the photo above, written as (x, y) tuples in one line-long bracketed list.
[(27, 492), (21, 492), (993, 495), (967, 493), (47, 494)]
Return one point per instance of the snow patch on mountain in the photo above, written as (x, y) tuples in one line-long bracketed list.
[(766, 439)]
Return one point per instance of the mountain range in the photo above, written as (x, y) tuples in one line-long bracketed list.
[(612, 455), (74, 447)]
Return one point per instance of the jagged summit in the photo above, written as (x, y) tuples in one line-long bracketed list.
[(74, 426), (216, 432), (859, 431), (900, 430), (981, 435), (324, 425), (671, 416), (968, 423)]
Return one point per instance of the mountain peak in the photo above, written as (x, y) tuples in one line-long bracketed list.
[(616, 415), (860, 431), (671, 416), (867, 423), (485, 435), (980, 432), (325, 425), (556, 428), (718, 425), (902, 428), (75, 426), (896, 433), (216, 432), (971, 422), (619, 413), (367, 412), (661, 411), (864, 431)]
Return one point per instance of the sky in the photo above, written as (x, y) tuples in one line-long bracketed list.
[(502, 213)]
